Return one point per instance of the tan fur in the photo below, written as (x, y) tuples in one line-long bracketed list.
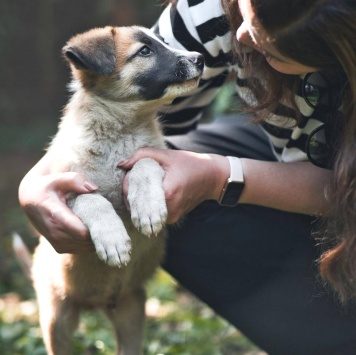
[(104, 123)]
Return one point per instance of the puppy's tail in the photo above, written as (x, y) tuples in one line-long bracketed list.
[(22, 254)]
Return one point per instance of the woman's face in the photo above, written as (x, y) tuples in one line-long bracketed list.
[(252, 34)]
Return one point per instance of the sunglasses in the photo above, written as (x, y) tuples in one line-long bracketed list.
[(319, 95)]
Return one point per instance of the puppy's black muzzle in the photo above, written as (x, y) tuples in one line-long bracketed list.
[(198, 60), (190, 67)]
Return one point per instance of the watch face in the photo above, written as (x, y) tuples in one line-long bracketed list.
[(232, 194)]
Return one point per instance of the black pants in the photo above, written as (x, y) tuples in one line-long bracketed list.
[(256, 266)]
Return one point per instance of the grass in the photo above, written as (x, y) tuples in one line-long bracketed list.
[(177, 323)]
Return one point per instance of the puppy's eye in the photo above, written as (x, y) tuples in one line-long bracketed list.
[(145, 51)]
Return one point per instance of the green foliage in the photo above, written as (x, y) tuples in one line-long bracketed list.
[(177, 323), (19, 330), (226, 100)]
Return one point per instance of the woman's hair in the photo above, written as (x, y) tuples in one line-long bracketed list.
[(319, 34), (272, 92)]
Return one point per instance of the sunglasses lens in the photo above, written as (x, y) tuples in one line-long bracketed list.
[(316, 91), (312, 94), (318, 150)]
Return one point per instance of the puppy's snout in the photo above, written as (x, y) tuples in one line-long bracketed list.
[(198, 60), (190, 66)]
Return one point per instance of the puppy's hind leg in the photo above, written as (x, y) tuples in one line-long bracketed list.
[(128, 320), (58, 319)]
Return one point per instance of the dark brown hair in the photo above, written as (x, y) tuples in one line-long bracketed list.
[(319, 34)]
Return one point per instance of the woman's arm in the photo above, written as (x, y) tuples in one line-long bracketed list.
[(42, 195), (295, 187), (192, 178)]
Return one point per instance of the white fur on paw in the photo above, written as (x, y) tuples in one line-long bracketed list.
[(112, 243), (149, 218), (146, 197)]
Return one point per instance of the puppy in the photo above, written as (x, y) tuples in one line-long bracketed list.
[(122, 76)]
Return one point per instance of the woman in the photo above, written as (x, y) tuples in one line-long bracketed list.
[(254, 263)]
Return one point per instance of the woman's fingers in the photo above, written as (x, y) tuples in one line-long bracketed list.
[(64, 230), (44, 201), (72, 182), (190, 178), (159, 155)]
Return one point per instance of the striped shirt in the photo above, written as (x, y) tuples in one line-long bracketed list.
[(201, 26)]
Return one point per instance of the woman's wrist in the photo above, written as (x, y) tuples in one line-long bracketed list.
[(220, 173)]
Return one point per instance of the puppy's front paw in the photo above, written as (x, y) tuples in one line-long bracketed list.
[(146, 197), (112, 243), (149, 214)]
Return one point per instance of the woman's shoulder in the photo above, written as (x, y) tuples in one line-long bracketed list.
[(204, 7), (206, 16), (198, 25)]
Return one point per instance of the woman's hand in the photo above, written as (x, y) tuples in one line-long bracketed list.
[(43, 198), (190, 178)]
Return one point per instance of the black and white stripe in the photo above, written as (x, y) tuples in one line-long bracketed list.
[(201, 25)]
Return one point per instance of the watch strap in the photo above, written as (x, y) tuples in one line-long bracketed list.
[(234, 185)]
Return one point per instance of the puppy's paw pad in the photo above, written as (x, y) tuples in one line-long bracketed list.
[(113, 249), (149, 219)]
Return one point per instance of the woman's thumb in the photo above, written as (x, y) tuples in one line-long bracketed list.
[(141, 153)]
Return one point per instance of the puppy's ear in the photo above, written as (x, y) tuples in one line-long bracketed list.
[(93, 51)]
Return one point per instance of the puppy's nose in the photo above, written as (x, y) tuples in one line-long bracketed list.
[(198, 60)]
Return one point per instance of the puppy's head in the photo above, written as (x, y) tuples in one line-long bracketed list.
[(131, 63)]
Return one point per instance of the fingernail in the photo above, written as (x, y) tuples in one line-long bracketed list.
[(90, 186), (122, 163)]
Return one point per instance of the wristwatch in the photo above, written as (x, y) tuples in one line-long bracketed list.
[(234, 185)]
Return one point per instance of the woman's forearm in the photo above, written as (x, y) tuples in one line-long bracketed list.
[(192, 178), (295, 187)]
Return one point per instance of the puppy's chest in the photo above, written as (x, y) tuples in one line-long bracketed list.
[(98, 159)]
